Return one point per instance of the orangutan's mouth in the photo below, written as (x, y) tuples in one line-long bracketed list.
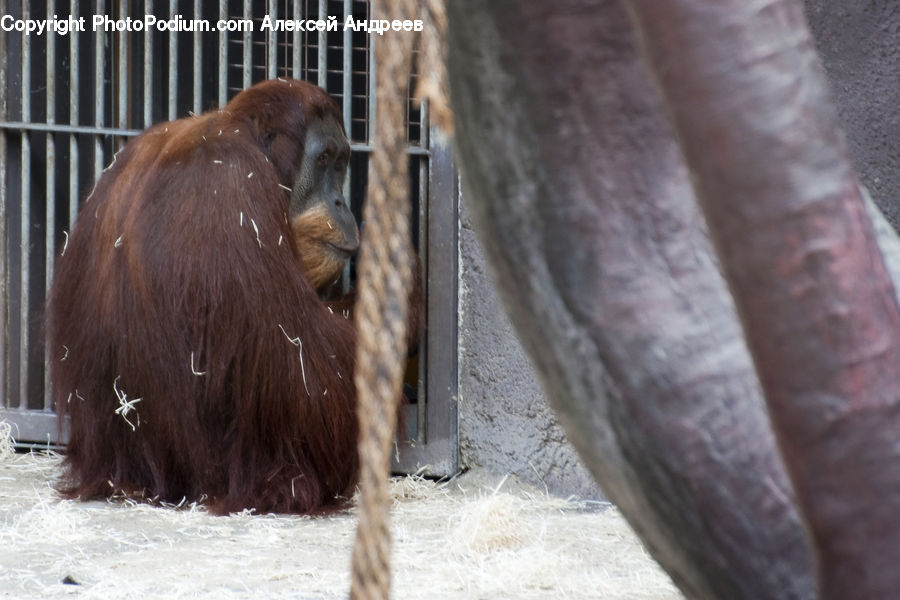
[(343, 252)]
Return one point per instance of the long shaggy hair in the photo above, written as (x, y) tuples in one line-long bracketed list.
[(193, 355)]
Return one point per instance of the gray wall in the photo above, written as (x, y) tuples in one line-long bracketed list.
[(506, 425), (860, 45)]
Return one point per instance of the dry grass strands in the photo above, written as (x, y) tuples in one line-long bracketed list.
[(449, 544), (7, 442)]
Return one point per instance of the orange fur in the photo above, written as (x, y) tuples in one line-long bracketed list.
[(182, 287), (312, 233)]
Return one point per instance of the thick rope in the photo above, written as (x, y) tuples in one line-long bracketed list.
[(433, 66), (385, 274)]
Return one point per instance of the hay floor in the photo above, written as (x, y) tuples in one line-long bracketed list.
[(460, 540)]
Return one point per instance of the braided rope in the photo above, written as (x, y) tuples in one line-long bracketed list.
[(385, 273), (433, 80)]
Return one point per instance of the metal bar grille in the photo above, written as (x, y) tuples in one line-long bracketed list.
[(67, 104)]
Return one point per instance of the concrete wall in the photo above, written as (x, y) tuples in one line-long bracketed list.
[(506, 425), (860, 46)]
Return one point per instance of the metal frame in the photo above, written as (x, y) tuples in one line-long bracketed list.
[(433, 450), (93, 132)]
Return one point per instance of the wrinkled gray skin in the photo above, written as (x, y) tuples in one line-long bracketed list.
[(320, 180), (585, 209), (748, 98)]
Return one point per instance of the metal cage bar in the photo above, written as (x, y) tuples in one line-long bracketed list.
[(373, 104), (148, 70), (223, 57), (347, 89), (421, 415), (247, 49), (296, 50), (437, 455), (198, 65), (322, 62), (49, 176), (100, 103), (122, 88), (25, 224), (173, 66), (272, 44), (74, 119)]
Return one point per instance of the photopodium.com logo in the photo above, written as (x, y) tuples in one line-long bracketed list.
[(104, 23)]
